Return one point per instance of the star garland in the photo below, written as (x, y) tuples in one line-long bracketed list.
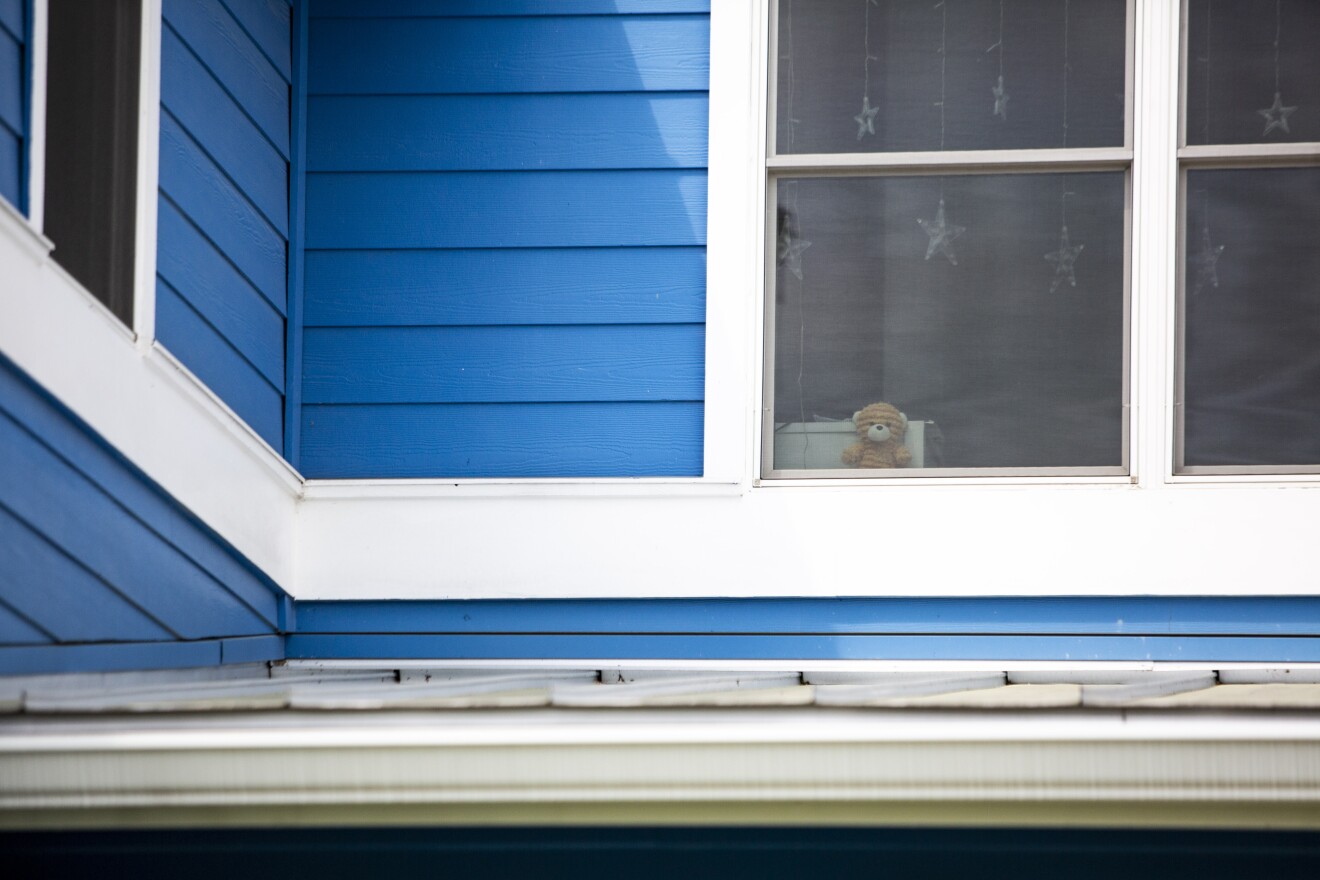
[(1065, 258), (1276, 115), (866, 119), (1205, 262), (1001, 96), (789, 249), (940, 233), (1065, 261)]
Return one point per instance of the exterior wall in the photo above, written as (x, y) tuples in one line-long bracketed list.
[(223, 213), (505, 241), (99, 568), (13, 104)]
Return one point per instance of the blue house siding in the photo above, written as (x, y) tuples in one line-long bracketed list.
[(505, 265), (13, 101), (224, 199), (1253, 629), (99, 568)]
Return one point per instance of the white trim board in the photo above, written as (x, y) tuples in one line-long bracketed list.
[(157, 415), (816, 541)]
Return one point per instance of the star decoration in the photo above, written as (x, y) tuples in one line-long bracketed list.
[(1276, 116), (1064, 260), (866, 119), (1206, 262), (788, 252), (1001, 100), (941, 235)]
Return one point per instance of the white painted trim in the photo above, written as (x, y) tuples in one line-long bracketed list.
[(816, 541), (733, 254), (1155, 237), (37, 119), (66, 340), (148, 162), (23, 234), (366, 490), (799, 665), (168, 366), (1067, 763)]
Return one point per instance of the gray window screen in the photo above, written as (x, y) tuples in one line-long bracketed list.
[(985, 299), (1250, 382)]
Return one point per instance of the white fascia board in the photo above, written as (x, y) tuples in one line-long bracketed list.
[(155, 413), (817, 541), (1184, 764)]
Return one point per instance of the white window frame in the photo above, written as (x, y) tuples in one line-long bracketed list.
[(1214, 157), (929, 163)]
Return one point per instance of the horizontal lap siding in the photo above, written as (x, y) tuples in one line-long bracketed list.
[(224, 200), (505, 271), (92, 552), (13, 103)]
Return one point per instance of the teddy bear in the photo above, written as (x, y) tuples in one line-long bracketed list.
[(880, 429)]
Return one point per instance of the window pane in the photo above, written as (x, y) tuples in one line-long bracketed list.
[(91, 144), (1253, 71), (899, 75), (980, 321), (1252, 317)]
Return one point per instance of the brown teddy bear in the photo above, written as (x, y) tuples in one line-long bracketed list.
[(880, 429)]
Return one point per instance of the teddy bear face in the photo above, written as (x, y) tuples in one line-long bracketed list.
[(879, 422)]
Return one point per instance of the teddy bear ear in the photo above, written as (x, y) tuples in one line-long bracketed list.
[(857, 415), (903, 416)]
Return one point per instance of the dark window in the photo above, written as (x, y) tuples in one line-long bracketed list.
[(91, 143)]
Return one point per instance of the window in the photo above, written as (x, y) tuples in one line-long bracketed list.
[(949, 231), (1249, 389), (91, 144)]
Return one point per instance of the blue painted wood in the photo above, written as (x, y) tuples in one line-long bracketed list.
[(12, 17), (107, 657), (219, 365), (267, 22), (1205, 649), (296, 263), (223, 46), (212, 202), (477, 440), (219, 294), (506, 209), (489, 55), (506, 220), (52, 498), (11, 83), (95, 460), (11, 164), (207, 112), (504, 364), (507, 132), (251, 649), (459, 8), (15, 630), (506, 286), (67, 600), (987, 615)]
